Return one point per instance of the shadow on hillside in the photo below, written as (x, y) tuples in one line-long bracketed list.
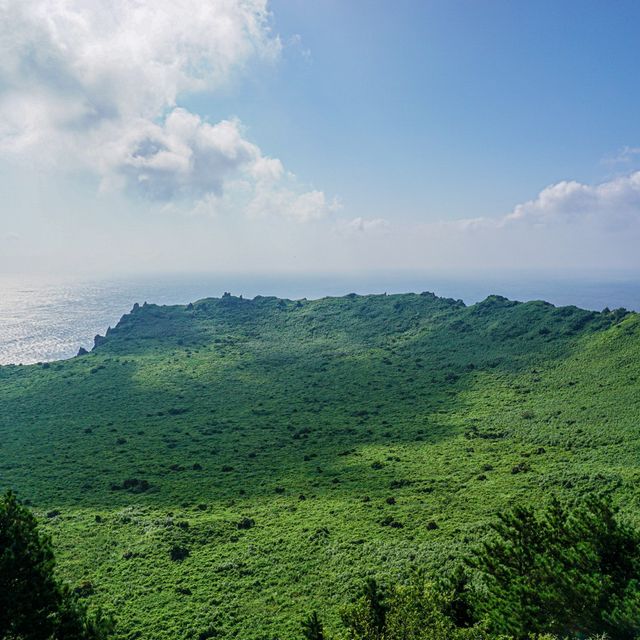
[(235, 398)]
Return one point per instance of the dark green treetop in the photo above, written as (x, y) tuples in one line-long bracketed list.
[(34, 604)]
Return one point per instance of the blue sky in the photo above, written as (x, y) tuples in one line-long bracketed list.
[(417, 98), (308, 136)]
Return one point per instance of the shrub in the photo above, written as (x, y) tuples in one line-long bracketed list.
[(209, 632), (85, 589), (246, 523), (390, 521), (134, 485), (178, 553), (399, 484)]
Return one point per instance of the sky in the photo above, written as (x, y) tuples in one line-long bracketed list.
[(300, 137)]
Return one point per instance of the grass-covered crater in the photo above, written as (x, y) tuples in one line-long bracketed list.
[(239, 463)]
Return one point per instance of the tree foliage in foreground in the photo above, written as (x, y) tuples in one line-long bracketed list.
[(419, 610), (563, 572), (569, 571), (34, 605)]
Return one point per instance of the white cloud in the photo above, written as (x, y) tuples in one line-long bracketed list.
[(181, 158), (106, 60), (278, 200), (568, 225), (612, 205), (267, 169), (96, 84), (625, 156), (364, 225), (133, 55)]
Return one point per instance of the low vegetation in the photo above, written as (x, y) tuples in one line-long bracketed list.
[(224, 469), (562, 572), (566, 571)]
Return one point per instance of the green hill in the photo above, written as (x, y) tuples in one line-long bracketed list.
[(236, 463)]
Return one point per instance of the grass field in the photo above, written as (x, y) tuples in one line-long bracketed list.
[(233, 464)]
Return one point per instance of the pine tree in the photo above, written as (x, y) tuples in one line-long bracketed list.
[(312, 628), (375, 598), (33, 604), (367, 618), (29, 594), (571, 572)]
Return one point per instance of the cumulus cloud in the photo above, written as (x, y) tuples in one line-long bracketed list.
[(568, 225), (181, 157), (612, 205), (270, 199), (97, 84), (104, 60)]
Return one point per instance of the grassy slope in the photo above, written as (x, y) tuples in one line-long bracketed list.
[(344, 401)]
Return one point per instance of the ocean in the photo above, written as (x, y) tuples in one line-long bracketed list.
[(44, 320)]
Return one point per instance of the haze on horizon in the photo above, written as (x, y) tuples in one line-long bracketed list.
[(297, 137)]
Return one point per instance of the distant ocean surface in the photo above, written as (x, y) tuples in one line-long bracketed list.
[(44, 321)]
